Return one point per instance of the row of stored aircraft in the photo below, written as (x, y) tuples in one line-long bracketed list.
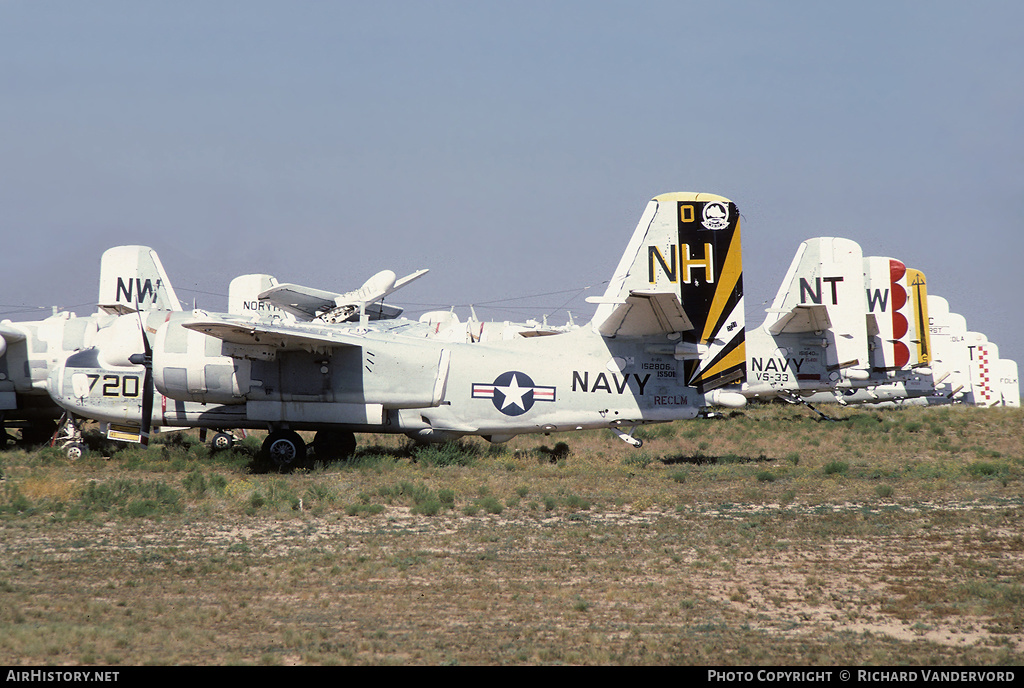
[(668, 341)]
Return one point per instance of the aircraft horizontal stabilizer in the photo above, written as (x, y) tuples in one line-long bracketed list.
[(801, 318), (302, 302), (644, 313), (10, 333)]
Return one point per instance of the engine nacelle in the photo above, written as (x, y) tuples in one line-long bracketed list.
[(191, 366)]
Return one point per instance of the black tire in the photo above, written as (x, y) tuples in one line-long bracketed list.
[(221, 441), (284, 450), (333, 445), (74, 450)]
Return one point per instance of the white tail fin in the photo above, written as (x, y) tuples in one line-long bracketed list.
[(243, 297), (983, 355), (823, 294), (1008, 381), (950, 360), (132, 278)]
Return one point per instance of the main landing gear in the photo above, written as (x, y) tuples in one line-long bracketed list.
[(285, 450), (69, 437), (222, 439)]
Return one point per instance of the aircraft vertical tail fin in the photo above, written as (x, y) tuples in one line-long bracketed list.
[(133, 278), (1009, 382), (919, 330), (681, 276), (897, 314), (950, 360), (822, 295), (243, 297), (982, 355)]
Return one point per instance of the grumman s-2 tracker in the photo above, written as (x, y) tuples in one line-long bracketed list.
[(665, 341), (131, 279)]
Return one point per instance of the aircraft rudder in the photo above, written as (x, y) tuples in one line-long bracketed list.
[(709, 277), (921, 339)]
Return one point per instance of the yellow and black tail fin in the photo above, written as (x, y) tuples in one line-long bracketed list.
[(681, 279)]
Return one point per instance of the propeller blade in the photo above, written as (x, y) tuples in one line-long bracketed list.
[(146, 360)]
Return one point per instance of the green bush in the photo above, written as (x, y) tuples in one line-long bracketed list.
[(836, 468), (447, 454)]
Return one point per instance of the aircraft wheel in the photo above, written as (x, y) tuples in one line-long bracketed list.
[(284, 449), (334, 445), (221, 441), (74, 450)]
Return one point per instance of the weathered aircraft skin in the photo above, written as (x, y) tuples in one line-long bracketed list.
[(667, 335), (131, 278), (814, 337)]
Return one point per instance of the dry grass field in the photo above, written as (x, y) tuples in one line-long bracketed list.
[(767, 537)]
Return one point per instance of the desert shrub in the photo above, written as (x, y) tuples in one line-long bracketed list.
[(490, 504), (447, 454), (195, 483), (984, 469), (419, 497), (836, 468), (364, 509), (637, 460), (137, 498), (575, 502)]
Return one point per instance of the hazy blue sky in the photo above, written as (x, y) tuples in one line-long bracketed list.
[(508, 146)]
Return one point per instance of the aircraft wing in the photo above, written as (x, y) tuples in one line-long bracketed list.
[(308, 303), (302, 302), (645, 313), (280, 336), (802, 318)]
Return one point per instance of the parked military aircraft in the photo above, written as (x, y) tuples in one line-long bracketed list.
[(309, 304), (814, 336), (131, 278), (947, 365), (668, 334), (839, 322), (263, 295)]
